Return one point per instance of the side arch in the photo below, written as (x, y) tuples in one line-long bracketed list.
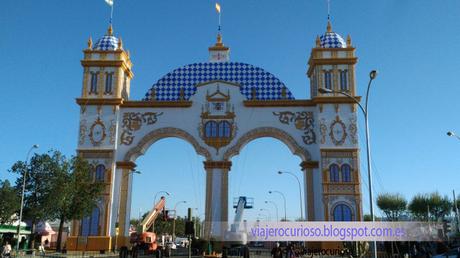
[(272, 132), (159, 134)]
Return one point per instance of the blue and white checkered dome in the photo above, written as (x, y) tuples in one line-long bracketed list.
[(106, 43), (331, 39), (249, 77)]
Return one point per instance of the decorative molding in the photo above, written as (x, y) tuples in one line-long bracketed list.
[(276, 133), (99, 101), (323, 130), (303, 121), (82, 132), (133, 121), (112, 131), (161, 133), (217, 164), (157, 104), (331, 99), (95, 153), (353, 129), (279, 103), (309, 164), (126, 165)]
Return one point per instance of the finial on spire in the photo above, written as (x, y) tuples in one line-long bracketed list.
[(329, 26), (219, 40), (318, 41), (110, 30), (90, 43), (348, 40), (120, 43)]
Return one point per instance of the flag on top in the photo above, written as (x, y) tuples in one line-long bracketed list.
[(109, 2), (217, 7)]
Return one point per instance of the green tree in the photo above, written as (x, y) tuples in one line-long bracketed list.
[(77, 191), (39, 198), (430, 206), (9, 201), (393, 205)]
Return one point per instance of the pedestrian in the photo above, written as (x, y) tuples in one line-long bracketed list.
[(6, 250), (277, 252), (41, 249), (245, 251)]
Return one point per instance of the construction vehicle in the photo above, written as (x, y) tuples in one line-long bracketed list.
[(237, 235), (146, 240)]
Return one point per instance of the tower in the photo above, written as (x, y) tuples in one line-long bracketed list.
[(106, 85), (331, 71)]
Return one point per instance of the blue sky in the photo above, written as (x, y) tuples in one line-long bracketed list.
[(414, 100)]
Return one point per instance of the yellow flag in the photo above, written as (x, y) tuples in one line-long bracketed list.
[(218, 7)]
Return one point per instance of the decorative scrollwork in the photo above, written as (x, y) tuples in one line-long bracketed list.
[(353, 129), (83, 129), (323, 130), (97, 132), (133, 121), (302, 120)]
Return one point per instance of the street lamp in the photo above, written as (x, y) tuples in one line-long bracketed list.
[(450, 133), (276, 209), (35, 146), (268, 212), (372, 76), (174, 220), (284, 199), (300, 190)]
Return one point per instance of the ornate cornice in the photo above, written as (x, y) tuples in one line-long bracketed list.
[(279, 103), (99, 101), (334, 99), (157, 104), (309, 164), (217, 164), (126, 165)]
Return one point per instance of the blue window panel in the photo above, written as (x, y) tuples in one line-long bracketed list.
[(207, 129), (100, 172), (213, 129), (226, 129), (344, 80), (85, 226), (328, 80), (342, 212), (108, 82), (93, 87), (346, 173), (94, 226), (334, 173)]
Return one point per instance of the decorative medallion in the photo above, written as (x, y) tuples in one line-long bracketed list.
[(82, 132), (133, 121), (337, 131), (97, 132), (303, 121), (353, 129), (323, 130)]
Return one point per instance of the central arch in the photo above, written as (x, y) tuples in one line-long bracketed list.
[(272, 132), (159, 134)]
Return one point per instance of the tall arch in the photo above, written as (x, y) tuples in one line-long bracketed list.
[(159, 134), (272, 132)]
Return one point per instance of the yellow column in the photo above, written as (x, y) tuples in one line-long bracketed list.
[(126, 168), (307, 168)]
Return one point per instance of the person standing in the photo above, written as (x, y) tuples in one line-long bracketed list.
[(277, 252), (6, 250)]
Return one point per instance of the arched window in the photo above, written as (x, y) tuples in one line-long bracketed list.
[(90, 224), (210, 129), (346, 173), (334, 173), (224, 129), (342, 213), (100, 172)]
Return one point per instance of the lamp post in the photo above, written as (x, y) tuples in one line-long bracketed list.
[(372, 76), (276, 209), (284, 199), (452, 134), (300, 190), (268, 212), (35, 146), (174, 220)]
